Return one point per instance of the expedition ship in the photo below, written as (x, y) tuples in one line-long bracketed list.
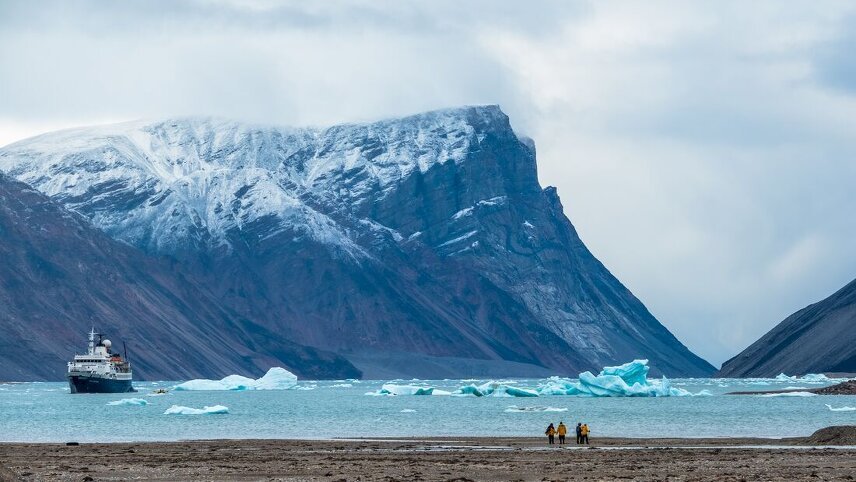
[(99, 370)]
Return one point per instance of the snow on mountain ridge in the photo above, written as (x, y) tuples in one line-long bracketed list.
[(162, 184)]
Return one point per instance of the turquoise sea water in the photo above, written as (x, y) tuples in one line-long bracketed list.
[(32, 412)]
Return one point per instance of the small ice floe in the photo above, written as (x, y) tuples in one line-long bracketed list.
[(807, 378), (305, 387), (408, 410), (213, 410), (129, 402), (495, 389), (788, 394), (391, 389), (342, 385), (516, 409), (840, 409), (275, 379)]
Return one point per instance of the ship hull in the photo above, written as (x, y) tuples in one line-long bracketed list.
[(82, 384)]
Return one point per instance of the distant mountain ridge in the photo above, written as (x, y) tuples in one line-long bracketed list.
[(427, 236), (820, 338)]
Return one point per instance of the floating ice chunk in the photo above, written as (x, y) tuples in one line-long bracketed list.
[(127, 402), (275, 379), (408, 410), (809, 377), (516, 409), (342, 385), (788, 394), (840, 409), (392, 389), (495, 389), (628, 380), (213, 410), (631, 373)]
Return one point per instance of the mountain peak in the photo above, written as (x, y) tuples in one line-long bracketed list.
[(424, 234)]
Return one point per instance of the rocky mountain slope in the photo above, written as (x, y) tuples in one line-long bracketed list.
[(820, 338), (60, 276), (424, 244)]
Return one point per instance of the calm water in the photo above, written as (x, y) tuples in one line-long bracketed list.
[(47, 412)]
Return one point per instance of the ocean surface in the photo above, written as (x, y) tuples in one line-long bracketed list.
[(46, 412)]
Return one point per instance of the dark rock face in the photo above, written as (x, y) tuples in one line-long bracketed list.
[(427, 235), (820, 338), (60, 276)]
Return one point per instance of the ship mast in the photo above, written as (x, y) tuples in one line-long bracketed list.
[(92, 341)]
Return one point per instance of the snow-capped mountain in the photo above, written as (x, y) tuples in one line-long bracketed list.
[(424, 243)]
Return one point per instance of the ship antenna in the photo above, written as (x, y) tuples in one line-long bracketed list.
[(125, 349)]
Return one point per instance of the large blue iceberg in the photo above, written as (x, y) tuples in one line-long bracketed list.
[(628, 380), (275, 379)]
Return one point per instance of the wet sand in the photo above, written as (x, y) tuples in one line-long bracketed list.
[(430, 459)]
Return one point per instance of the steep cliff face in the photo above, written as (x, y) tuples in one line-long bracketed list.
[(820, 338), (60, 276), (427, 236)]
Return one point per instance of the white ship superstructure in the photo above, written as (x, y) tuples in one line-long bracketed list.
[(99, 370)]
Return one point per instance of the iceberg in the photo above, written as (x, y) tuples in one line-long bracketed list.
[(392, 389), (495, 389), (213, 410), (276, 378), (516, 409), (627, 380), (127, 402), (809, 377), (840, 409)]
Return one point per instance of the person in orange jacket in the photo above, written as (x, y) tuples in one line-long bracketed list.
[(550, 432), (562, 430), (584, 431)]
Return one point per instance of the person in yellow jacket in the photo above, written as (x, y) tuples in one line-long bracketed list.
[(584, 432), (551, 433), (562, 431)]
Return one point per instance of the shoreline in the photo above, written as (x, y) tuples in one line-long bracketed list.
[(437, 458), (510, 441)]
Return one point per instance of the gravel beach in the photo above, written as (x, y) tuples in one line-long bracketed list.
[(436, 459)]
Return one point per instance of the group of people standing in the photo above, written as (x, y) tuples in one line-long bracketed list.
[(562, 431)]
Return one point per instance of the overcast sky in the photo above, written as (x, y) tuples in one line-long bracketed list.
[(706, 155)]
